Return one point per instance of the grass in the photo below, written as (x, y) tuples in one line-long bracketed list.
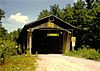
[(85, 53), (20, 63)]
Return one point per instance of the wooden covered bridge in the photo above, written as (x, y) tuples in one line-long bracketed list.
[(47, 35)]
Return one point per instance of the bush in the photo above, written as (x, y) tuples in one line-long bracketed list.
[(86, 53), (7, 48), (89, 53)]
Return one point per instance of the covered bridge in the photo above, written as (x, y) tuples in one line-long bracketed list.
[(47, 35)]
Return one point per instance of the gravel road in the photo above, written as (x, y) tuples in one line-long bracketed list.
[(58, 62)]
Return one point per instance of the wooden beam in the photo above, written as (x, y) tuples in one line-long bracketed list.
[(66, 42), (29, 39)]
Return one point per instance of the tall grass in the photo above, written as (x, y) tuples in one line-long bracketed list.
[(85, 53), (20, 63)]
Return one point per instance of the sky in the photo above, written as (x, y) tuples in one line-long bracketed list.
[(20, 12)]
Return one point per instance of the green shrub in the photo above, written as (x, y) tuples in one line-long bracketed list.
[(89, 53), (7, 48), (86, 53)]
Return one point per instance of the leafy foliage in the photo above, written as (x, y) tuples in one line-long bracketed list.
[(84, 15), (1, 15), (85, 53), (14, 35), (8, 46)]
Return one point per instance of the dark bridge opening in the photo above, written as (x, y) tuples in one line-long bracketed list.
[(46, 41)]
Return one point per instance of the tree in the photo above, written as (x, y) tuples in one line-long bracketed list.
[(1, 15), (14, 35), (89, 3), (85, 16), (7, 46), (95, 31), (68, 14), (54, 10), (44, 13), (79, 4), (3, 31)]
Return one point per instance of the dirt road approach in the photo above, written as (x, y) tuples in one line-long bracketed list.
[(58, 62)]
